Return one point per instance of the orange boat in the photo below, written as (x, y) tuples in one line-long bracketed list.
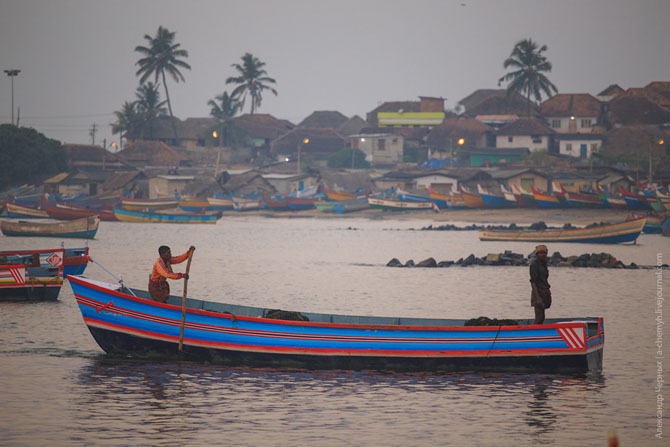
[(471, 199), (338, 196)]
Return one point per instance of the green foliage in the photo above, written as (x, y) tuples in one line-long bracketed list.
[(27, 156), (252, 79), (348, 158), (528, 66)]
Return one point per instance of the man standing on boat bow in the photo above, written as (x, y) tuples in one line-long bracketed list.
[(159, 289), (540, 297)]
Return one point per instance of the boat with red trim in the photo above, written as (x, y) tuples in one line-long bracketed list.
[(128, 323), (31, 275)]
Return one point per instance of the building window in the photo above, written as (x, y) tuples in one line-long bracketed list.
[(381, 145), (556, 124), (568, 147), (510, 139), (594, 147), (586, 123), (536, 139)]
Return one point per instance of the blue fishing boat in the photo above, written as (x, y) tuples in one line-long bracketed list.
[(166, 217), (493, 200), (351, 205), (127, 322)]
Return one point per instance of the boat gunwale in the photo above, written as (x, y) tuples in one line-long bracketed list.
[(86, 282)]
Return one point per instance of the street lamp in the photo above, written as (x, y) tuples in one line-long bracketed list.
[(461, 142), (304, 141), (12, 72)]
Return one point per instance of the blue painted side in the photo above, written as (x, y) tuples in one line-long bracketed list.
[(87, 234), (492, 201)]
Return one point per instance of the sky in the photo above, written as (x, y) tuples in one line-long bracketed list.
[(77, 57)]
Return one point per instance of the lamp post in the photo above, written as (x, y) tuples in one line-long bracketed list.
[(218, 156), (12, 72), (304, 141), (461, 142)]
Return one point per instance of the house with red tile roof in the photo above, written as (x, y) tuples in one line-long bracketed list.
[(571, 112), (635, 108)]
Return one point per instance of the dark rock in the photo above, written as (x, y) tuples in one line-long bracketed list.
[(633, 266), (430, 262), (445, 263), (394, 263), (469, 260), (538, 226), (409, 263)]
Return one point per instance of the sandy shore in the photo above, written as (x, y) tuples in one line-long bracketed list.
[(524, 216)]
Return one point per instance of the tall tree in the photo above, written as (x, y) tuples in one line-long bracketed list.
[(128, 120), (223, 112), (149, 106), (528, 65), (162, 55), (252, 80)]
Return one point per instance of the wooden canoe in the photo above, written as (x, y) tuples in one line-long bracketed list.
[(84, 228), (627, 231), (134, 325)]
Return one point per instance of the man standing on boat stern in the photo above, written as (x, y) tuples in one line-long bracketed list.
[(540, 297), (159, 289)]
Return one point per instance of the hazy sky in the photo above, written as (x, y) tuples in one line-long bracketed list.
[(77, 57)]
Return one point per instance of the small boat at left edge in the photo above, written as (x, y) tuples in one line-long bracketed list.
[(37, 275)]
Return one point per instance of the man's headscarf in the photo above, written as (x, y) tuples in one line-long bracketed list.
[(540, 248)]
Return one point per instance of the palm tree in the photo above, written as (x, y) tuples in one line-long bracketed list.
[(149, 105), (529, 65), (128, 120), (223, 112), (251, 81), (160, 56)]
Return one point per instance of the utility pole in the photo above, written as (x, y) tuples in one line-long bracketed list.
[(91, 133), (12, 73)]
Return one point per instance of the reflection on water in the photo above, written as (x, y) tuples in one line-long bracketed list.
[(60, 390)]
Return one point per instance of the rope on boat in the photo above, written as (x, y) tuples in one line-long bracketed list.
[(119, 280)]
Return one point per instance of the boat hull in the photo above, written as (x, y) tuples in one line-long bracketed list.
[(85, 228), (139, 217), (606, 234), (32, 275), (238, 335)]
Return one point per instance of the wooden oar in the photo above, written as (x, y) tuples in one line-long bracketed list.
[(183, 302)]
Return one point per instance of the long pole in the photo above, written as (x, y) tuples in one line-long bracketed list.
[(183, 303), (12, 72)]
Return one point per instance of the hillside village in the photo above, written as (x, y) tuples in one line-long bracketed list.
[(615, 138)]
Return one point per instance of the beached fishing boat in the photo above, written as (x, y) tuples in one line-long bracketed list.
[(582, 199), (523, 197), (351, 205), (147, 204), (195, 205), (444, 201), (546, 200), (653, 224), (666, 227), (300, 204), (247, 204), (338, 195), (621, 232), (276, 203), (60, 211), (131, 324), (397, 205), (635, 201), (472, 199), (166, 217), (31, 275), (220, 202), (609, 199), (493, 200), (84, 228), (16, 211)]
